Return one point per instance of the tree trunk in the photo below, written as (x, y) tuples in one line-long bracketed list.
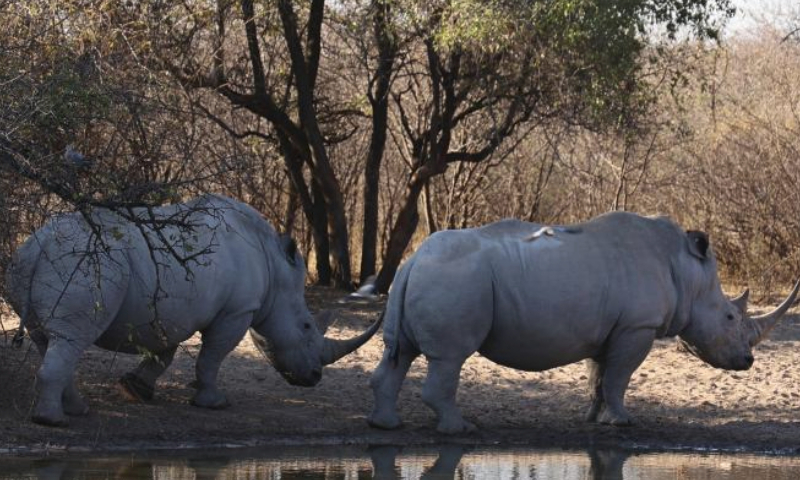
[(372, 170), (322, 248), (430, 215), (304, 75), (290, 217), (402, 232), (340, 246), (314, 208), (369, 240), (380, 111)]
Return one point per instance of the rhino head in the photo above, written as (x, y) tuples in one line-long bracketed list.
[(719, 331), (291, 338)]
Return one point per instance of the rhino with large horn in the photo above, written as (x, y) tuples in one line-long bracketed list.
[(534, 298), (145, 283)]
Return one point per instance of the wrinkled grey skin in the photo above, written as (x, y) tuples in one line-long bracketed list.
[(535, 298), (239, 275)]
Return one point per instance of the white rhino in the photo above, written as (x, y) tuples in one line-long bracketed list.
[(215, 266), (534, 298)]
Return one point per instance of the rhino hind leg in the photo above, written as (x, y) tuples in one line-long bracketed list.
[(624, 353), (139, 385), (594, 370), (54, 383), (439, 393), (386, 383), (73, 402)]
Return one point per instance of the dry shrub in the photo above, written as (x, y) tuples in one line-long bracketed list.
[(721, 153), (747, 149)]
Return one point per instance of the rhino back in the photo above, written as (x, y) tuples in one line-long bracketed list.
[(221, 269), (536, 304), (129, 290)]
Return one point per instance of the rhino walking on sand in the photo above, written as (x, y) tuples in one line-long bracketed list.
[(214, 266), (534, 298)]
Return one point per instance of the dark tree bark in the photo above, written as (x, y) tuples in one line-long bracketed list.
[(322, 247), (427, 148), (403, 229), (454, 98), (379, 100), (304, 75), (314, 208)]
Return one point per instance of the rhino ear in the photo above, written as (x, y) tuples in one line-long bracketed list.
[(698, 244), (289, 248)]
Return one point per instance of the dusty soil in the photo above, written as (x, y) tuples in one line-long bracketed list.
[(678, 401)]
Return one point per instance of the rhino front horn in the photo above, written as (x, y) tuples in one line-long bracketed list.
[(762, 324), (333, 350)]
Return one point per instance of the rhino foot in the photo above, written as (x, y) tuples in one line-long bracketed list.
[(455, 426), (135, 389), (592, 414), (50, 421), (212, 401), (76, 408), (385, 422), (617, 420)]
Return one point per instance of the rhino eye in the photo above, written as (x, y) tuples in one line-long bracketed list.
[(306, 325), (730, 316)]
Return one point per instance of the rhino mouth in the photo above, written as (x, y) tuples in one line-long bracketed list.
[(302, 381), (742, 363), (684, 346)]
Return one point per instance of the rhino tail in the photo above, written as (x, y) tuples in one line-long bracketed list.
[(395, 311)]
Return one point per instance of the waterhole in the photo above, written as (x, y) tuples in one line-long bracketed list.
[(390, 462)]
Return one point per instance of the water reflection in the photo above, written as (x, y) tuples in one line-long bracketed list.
[(391, 462), (606, 464), (384, 463), (603, 465)]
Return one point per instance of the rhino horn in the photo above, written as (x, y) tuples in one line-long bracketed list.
[(333, 350), (741, 300), (324, 320), (762, 324)]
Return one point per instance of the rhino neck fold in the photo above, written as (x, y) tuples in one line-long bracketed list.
[(678, 319)]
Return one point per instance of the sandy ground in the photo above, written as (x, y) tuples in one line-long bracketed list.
[(678, 402)]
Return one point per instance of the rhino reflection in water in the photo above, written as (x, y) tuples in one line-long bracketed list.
[(136, 290), (534, 298)]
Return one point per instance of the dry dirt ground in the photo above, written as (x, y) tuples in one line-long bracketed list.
[(678, 401)]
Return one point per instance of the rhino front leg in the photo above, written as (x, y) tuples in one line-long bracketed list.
[(625, 352), (218, 340), (139, 385), (386, 383), (439, 393)]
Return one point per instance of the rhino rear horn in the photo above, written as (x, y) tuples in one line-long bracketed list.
[(741, 301), (333, 350), (762, 324), (324, 319)]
